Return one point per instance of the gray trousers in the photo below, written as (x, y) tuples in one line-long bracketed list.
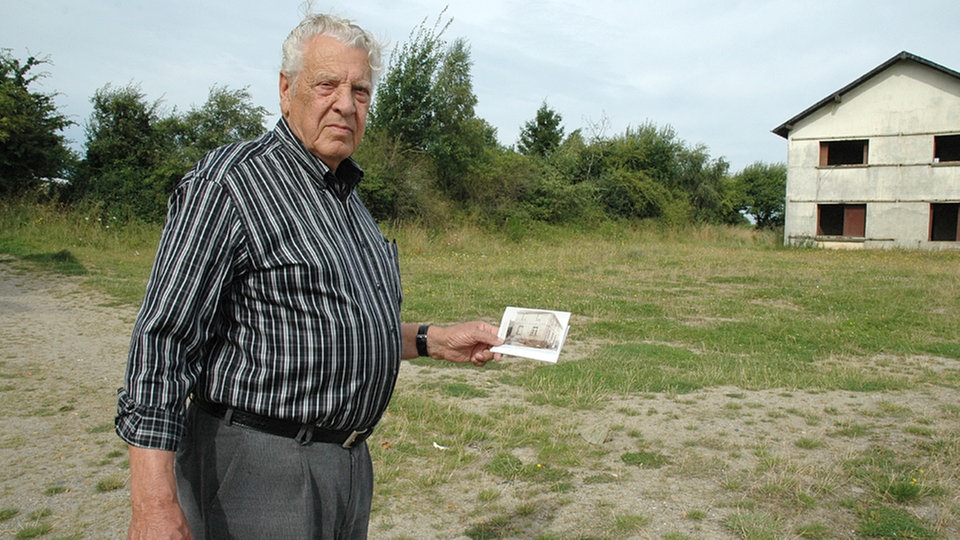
[(238, 483)]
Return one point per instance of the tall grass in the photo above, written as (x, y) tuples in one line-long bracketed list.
[(677, 310), (114, 256), (674, 309)]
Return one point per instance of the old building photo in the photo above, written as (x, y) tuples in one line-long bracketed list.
[(536, 329)]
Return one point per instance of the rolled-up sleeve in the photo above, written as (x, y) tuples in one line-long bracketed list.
[(195, 260)]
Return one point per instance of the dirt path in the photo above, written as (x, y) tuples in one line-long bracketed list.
[(62, 356)]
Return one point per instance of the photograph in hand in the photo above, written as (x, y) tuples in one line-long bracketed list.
[(537, 334)]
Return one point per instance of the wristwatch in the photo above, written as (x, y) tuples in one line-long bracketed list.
[(422, 340)]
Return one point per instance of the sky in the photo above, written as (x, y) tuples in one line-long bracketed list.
[(721, 74)]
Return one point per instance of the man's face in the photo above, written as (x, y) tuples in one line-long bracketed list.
[(326, 104)]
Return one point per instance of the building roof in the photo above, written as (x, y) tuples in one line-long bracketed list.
[(784, 129)]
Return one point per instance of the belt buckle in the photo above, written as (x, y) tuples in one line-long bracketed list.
[(353, 438)]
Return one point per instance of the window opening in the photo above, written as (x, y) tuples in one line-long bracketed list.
[(946, 148), (833, 153), (842, 220), (944, 222)]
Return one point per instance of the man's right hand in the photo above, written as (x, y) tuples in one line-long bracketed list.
[(153, 497)]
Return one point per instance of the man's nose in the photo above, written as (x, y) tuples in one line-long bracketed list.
[(344, 101)]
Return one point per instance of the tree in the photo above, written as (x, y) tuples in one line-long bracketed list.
[(32, 146), (122, 150), (461, 138), (120, 128), (425, 104), (407, 101), (135, 155), (764, 188), (701, 178), (542, 135), (227, 116)]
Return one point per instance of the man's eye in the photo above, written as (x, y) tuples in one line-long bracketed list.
[(362, 94)]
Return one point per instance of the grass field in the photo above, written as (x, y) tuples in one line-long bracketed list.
[(752, 391)]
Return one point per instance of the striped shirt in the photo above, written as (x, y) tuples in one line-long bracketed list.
[(273, 291)]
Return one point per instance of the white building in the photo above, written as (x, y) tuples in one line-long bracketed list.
[(877, 163)]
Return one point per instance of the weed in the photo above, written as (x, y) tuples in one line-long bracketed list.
[(37, 515), (807, 443), (111, 484), (649, 460), (33, 531), (488, 495), (887, 522), (814, 531), (101, 428), (495, 527), (506, 465), (754, 526), (521, 523), (852, 430), (920, 431), (630, 523), (604, 478)]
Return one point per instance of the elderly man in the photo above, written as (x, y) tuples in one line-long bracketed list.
[(269, 340)]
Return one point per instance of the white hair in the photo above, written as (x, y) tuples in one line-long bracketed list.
[(343, 30)]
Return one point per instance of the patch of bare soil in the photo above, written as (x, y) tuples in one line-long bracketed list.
[(727, 454), (62, 356)]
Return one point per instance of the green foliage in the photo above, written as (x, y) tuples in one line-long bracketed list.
[(887, 522), (226, 117), (542, 135), (428, 158), (645, 459), (425, 104), (122, 154), (398, 183), (550, 199), (648, 173), (628, 194), (135, 155), (407, 99), (461, 137), (32, 146), (763, 190)]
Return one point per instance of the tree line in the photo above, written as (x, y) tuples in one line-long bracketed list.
[(427, 155)]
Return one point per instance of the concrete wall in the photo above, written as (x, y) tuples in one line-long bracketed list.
[(899, 111)]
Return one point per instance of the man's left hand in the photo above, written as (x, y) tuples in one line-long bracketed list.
[(465, 342)]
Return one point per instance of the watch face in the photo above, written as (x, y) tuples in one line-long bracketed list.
[(422, 340)]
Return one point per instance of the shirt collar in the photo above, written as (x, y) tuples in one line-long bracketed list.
[(342, 182)]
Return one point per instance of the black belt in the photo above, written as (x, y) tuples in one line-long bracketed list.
[(302, 433)]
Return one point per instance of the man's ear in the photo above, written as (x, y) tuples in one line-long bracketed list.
[(286, 88)]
